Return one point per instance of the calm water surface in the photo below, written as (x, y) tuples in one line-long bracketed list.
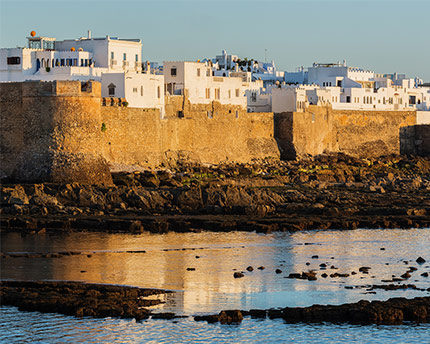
[(212, 287)]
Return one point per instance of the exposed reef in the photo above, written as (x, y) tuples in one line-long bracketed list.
[(394, 311), (324, 192), (79, 299)]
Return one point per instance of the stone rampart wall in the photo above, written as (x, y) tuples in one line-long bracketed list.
[(140, 137), (359, 133)]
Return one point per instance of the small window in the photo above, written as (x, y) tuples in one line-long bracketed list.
[(62, 62), (208, 93), (348, 99), (208, 72), (141, 90), (198, 71), (237, 92), (112, 55), (124, 56), (134, 89), (229, 93), (137, 58), (15, 60), (111, 89), (158, 92), (173, 71)]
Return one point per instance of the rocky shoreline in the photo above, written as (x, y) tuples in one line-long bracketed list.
[(79, 299), (100, 301), (324, 192)]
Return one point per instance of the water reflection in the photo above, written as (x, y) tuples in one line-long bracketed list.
[(215, 257)]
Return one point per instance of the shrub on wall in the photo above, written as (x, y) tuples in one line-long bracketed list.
[(48, 69), (104, 127)]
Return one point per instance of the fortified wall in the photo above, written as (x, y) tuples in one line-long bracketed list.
[(61, 131), (358, 133)]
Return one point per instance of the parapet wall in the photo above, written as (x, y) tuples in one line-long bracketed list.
[(354, 132)]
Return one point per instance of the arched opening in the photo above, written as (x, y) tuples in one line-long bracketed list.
[(37, 65)]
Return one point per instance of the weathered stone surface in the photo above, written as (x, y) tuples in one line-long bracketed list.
[(79, 299)]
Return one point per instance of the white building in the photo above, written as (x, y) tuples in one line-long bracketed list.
[(140, 90), (85, 58), (196, 80), (351, 88), (113, 61)]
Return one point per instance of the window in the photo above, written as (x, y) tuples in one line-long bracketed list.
[(237, 92), (158, 92), (134, 89), (112, 55), (124, 56), (198, 71), (339, 83), (111, 89), (208, 93), (348, 99), (15, 60), (229, 93), (141, 90), (137, 58), (173, 71), (217, 93), (208, 72)]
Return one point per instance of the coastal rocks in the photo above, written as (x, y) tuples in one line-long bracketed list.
[(394, 311), (79, 299), (420, 260), (224, 317), (238, 274)]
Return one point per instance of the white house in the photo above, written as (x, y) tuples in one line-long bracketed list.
[(140, 90), (196, 79)]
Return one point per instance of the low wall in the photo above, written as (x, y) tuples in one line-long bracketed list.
[(353, 132)]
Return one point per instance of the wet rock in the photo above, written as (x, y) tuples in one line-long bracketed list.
[(420, 260), (278, 271), (261, 268), (238, 274), (425, 274), (315, 257), (250, 268), (406, 275), (324, 275)]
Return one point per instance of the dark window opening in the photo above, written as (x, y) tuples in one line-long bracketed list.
[(412, 100), (111, 89), (173, 72), (348, 99), (15, 60), (181, 114), (339, 83)]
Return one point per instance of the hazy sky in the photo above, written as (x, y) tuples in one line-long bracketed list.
[(381, 35)]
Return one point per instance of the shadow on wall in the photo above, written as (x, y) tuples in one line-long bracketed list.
[(415, 140)]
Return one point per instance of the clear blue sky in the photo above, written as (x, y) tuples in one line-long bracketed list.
[(381, 35)]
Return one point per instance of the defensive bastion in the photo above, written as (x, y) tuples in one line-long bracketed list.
[(63, 131)]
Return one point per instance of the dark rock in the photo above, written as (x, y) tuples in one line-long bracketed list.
[(250, 268), (261, 268), (238, 274), (315, 257), (278, 271), (420, 260), (191, 269)]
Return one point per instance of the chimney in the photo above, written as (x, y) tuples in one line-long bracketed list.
[(89, 34)]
